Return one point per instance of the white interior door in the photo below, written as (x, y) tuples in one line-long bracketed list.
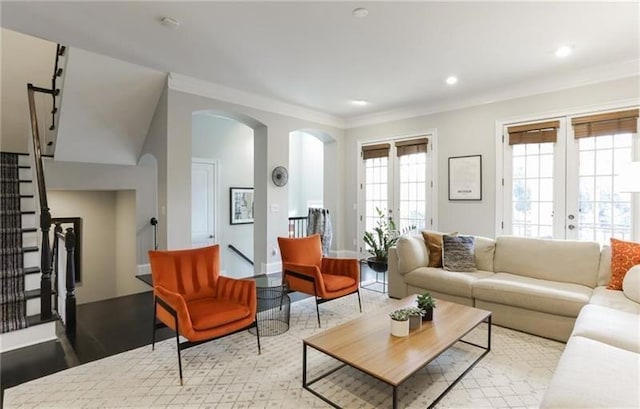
[(203, 203)]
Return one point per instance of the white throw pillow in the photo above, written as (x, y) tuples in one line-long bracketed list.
[(631, 284)]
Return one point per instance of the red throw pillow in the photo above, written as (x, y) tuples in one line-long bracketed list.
[(624, 255)]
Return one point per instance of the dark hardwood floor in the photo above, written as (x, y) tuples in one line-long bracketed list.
[(104, 328)]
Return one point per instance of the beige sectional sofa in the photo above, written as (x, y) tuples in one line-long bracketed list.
[(551, 288)]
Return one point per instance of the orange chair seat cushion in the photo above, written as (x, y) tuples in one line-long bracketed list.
[(334, 282), (207, 313)]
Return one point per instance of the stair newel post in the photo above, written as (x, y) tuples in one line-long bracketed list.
[(45, 263), (57, 231), (70, 299)]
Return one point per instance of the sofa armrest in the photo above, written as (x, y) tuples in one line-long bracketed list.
[(396, 284)]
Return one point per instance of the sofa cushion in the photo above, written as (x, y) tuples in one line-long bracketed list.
[(617, 328), (433, 241), (613, 299), (591, 374), (412, 253), (604, 272), (624, 255), (448, 282), (485, 249), (533, 294), (458, 253), (631, 284), (566, 261)]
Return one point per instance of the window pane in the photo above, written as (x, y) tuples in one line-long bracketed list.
[(587, 163)]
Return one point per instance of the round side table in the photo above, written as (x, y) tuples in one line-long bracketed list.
[(274, 307)]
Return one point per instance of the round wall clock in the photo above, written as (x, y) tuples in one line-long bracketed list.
[(280, 176)]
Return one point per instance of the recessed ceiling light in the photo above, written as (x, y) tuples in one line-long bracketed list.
[(452, 79), (360, 12), (169, 22), (359, 102), (563, 51)]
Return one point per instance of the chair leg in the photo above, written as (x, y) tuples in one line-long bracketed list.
[(359, 302), (318, 312), (153, 321), (315, 296), (258, 335), (175, 317)]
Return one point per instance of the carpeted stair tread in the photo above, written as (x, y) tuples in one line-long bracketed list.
[(4, 230), (32, 270), (33, 320), (12, 294)]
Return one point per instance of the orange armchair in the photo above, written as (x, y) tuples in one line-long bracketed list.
[(191, 298), (304, 269)]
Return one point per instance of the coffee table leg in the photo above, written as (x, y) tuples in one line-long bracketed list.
[(304, 364), (395, 397), (489, 334)]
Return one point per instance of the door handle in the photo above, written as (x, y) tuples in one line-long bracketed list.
[(211, 236)]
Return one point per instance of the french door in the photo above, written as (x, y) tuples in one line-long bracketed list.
[(561, 177), (398, 181)]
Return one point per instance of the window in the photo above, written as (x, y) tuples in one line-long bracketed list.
[(560, 181)]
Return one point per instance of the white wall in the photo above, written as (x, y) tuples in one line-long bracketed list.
[(230, 143), (98, 212), (271, 148), (125, 238), (471, 131), (92, 176), (306, 172), (24, 59)]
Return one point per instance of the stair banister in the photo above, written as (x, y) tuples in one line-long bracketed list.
[(45, 214), (70, 298)]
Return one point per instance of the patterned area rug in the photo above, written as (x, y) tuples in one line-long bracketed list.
[(12, 296), (229, 373)]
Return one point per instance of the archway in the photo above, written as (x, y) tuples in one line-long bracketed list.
[(222, 189)]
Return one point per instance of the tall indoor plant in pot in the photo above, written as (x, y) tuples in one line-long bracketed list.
[(378, 241)]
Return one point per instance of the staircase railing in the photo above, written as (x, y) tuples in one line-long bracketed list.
[(46, 311), (298, 226), (241, 254)]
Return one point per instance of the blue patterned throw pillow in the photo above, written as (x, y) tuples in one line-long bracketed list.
[(458, 253)]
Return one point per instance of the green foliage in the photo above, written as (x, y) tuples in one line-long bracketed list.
[(383, 236), (425, 301), (399, 315), (414, 311)]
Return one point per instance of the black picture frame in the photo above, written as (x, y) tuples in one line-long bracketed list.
[(241, 205), (465, 178)]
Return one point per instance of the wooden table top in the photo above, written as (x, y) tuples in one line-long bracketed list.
[(366, 342)]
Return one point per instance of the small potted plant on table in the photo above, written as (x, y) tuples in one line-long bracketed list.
[(426, 303), (415, 317), (399, 323)]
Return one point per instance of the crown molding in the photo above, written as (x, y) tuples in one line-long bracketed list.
[(190, 85), (558, 82)]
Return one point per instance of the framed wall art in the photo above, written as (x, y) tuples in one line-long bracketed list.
[(241, 205), (465, 177)]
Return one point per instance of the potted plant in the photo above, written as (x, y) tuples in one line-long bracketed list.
[(415, 317), (426, 303), (383, 236), (399, 323)]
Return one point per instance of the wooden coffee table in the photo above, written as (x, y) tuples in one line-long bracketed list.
[(365, 343)]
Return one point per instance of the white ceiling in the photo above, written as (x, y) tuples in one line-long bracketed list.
[(317, 55)]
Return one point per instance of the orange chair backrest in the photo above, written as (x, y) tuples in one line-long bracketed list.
[(188, 272), (302, 250)]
